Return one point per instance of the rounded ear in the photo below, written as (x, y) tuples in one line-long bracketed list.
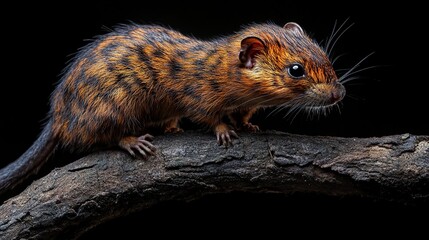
[(250, 47), (294, 27)]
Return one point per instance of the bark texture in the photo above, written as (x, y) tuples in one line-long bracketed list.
[(85, 193)]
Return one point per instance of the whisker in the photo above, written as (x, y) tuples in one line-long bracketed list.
[(363, 69), (285, 105), (329, 47), (338, 107), (310, 111), (339, 36), (336, 58), (342, 69), (355, 84), (300, 106), (297, 112), (277, 109), (292, 107), (293, 112), (345, 75), (344, 81), (355, 98), (328, 42)]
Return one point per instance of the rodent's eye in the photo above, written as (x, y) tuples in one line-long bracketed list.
[(296, 70)]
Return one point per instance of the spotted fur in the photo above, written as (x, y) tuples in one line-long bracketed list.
[(139, 76)]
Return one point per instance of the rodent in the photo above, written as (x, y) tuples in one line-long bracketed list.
[(138, 76)]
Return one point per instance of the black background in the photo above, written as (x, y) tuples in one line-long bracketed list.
[(39, 38)]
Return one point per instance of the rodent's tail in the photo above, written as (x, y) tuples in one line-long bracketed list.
[(30, 162)]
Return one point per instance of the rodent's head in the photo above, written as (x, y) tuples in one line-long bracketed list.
[(288, 67)]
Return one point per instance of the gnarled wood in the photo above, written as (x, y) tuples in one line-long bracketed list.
[(74, 198)]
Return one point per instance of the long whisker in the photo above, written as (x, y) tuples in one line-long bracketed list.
[(285, 105), (345, 75), (338, 107), (328, 42), (297, 106), (275, 110), (336, 58), (279, 108), (344, 81), (339, 36), (354, 97), (311, 108), (293, 109), (361, 70), (298, 110), (329, 47)]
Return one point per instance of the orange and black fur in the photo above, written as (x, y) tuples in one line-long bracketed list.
[(141, 76)]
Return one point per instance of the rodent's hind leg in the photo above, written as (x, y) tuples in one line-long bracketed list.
[(172, 126), (240, 119), (224, 135), (140, 144)]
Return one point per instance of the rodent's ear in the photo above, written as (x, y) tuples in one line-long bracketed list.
[(250, 47), (292, 26)]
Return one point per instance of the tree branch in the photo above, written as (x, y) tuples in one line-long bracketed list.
[(73, 199)]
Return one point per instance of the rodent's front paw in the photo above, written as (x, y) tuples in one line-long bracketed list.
[(224, 135), (173, 130), (250, 127), (224, 138), (140, 144)]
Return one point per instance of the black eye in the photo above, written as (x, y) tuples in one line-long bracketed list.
[(296, 70)]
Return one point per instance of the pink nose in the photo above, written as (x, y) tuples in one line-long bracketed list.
[(338, 93), (335, 96)]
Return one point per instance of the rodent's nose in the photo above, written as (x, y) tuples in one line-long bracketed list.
[(335, 96), (338, 93)]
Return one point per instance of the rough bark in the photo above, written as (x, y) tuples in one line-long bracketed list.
[(73, 199)]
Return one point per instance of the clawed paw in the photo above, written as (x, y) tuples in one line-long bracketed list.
[(141, 145), (173, 130), (250, 127), (225, 137)]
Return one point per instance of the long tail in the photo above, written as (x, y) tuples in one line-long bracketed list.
[(30, 162)]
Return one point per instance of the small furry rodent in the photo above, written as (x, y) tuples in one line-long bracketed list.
[(140, 76)]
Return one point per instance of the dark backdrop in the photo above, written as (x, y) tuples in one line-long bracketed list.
[(38, 39)]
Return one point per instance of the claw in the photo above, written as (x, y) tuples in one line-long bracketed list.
[(148, 144), (250, 127), (141, 151), (146, 149), (141, 144), (173, 130), (233, 133), (225, 138), (147, 137), (228, 138), (131, 152)]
